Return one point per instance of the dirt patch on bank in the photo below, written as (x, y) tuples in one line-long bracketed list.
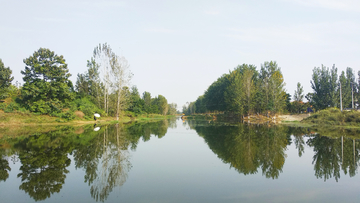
[(294, 117)]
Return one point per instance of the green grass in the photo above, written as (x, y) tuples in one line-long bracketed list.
[(334, 117)]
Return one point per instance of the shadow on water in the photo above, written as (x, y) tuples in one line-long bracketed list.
[(101, 151)]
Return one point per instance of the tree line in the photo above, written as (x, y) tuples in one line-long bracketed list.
[(246, 90), (103, 88)]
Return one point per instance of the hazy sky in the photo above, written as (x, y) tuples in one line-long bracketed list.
[(178, 48)]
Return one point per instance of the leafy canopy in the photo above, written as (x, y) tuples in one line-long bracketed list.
[(47, 86), (5, 79)]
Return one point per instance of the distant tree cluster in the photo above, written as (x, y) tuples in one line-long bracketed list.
[(106, 83), (327, 87), (244, 91), (103, 88)]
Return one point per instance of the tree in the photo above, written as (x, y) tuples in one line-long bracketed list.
[(325, 86), (241, 91), (89, 83), (121, 77), (147, 101), (298, 95), (82, 84), (136, 103), (233, 93), (115, 76), (214, 95), (162, 104), (172, 109), (347, 80), (200, 104), (47, 87), (272, 87), (5, 79)]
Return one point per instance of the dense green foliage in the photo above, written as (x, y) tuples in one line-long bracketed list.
[(333, 116), (47, 87), (48, 90), (326, 85), (244, 91), (5, 80)]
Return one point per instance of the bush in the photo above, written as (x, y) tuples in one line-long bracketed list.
[(87, 107), (66, 116), (40, 107), (2, 106), (13, 106)]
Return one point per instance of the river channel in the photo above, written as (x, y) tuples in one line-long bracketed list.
[(179, 161)]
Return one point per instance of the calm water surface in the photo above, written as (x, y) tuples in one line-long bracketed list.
[(175, 161)]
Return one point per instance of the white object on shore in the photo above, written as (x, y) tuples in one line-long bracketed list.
[(97, 128), (97, 115)]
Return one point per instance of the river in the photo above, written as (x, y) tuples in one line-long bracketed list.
[(179, 161)]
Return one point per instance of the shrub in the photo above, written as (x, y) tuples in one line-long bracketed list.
[(87, 107), (13, 106), (40, 107), (66, 116), (2, 106)]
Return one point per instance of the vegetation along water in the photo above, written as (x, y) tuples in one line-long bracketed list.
[(233, 153)]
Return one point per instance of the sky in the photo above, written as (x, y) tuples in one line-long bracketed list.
[(178, 48)]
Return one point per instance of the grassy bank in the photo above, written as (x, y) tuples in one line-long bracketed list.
[(334, 117), (26, 118), (19, 123)]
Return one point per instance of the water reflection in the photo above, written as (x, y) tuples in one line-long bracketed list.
[(253, 148), (4, 166), (103, 155), (333, 155), (248, 148)]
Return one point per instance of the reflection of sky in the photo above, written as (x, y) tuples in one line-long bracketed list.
[(180, 167)]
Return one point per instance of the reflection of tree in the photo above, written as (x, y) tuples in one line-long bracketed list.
[(4, 167), (272, 146), (332, 155), (44, 161), (248, 148), (114, 163), (172, 122), (103, 155), (299, 142)]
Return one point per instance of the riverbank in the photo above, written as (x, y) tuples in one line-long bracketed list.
[(327, 118), (30, 119), (257, 119), (18, 124)]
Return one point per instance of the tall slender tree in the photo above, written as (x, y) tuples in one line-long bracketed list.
[(325, 86), (116, 76), (298, 95)]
